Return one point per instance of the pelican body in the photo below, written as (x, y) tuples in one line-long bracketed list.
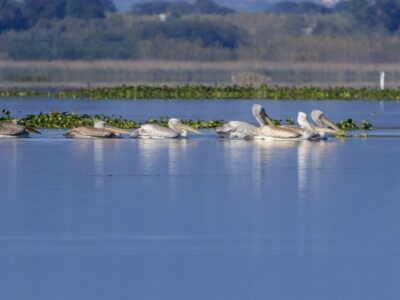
[(100, 130), (272, 131), (174, 130), (240, 129), (11, 129)]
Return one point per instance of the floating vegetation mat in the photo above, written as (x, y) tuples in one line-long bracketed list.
[(217, 92), (70, 119)]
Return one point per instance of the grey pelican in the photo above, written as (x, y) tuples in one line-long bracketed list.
[(325, 126), (175, 129), (240, 129), (11, 128), (100, 130), (272, 131)]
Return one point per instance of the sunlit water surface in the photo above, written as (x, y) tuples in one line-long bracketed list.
[(201, 218)]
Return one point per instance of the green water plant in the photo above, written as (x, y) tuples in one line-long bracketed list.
[(57, 119), (215, 92), (232, 92), (70, 119)]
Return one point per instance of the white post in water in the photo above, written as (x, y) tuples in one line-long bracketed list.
[(382, 80)]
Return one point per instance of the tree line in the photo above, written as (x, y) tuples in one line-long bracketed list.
[(203, 30)]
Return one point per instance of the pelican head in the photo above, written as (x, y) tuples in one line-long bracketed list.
[(311, 132), (99, 124), (260, 115), (319, 118), (182, 129), (302, 119)]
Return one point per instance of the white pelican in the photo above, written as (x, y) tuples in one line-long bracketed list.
[(325, 126), (271, 131), (310, 133), (13, 129), (100, 130), (154, 131), (240, 129)]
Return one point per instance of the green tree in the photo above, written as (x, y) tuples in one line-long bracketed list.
[(210, 7), (180, 8), (59, 9), (374, 13), (307, 7), (84, 9), (11, 16)]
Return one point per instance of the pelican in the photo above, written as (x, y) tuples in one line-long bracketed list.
[(100, 130), (11, 128), (240, 129), (272, 131), (310, 133), (154, 131), (325, 126)]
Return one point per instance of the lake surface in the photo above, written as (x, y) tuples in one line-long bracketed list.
[(201, 218)]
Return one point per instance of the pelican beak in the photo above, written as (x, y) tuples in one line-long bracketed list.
[(188, 128), (266, 118), (32, 130), (116, 130), (328, 123)]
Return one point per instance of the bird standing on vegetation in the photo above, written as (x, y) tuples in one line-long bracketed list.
[(100, 130), (154, 131), (11, 128)]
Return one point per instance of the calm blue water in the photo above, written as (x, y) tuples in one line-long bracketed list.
[(201, 218)]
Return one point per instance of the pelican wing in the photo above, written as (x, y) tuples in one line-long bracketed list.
[(235, 129), (8, 128), (155, 131), (275, 132), (89, 132)]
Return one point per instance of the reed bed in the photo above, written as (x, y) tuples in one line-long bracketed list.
[(110, 73)]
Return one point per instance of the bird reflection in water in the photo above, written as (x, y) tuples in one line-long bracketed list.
[(153, 150), (171, 151), (266, 155), (98, 156), (312, 158)]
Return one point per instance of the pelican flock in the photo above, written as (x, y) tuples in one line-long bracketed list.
[(267, 129)]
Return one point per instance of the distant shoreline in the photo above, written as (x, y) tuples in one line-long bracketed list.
[(208, 92), (75, 74)]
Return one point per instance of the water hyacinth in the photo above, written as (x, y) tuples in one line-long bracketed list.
[(56, 119), (70, 120), (350, 124), (232, 92), (216, 92)]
